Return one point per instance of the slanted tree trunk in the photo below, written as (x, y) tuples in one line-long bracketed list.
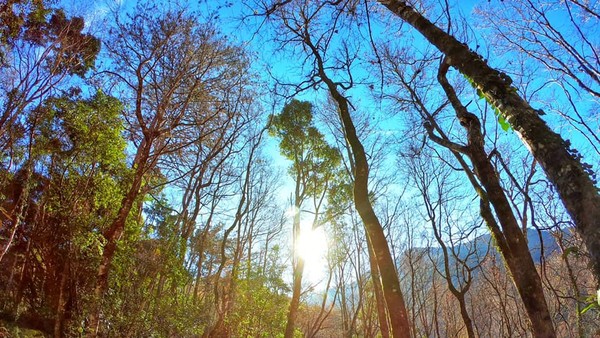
[(113, 234), (400, 326), (394, 299), (382, 314), (511, 240), (387, 269), (561, 164), (59, 316)]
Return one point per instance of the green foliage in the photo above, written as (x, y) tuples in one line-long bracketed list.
[(501, 120), (89, 130), (77, 166), (21, 18), (261, 301), (8, 329), (148, 295), (273, 274), (313, 159), (80, 143), (339, 196), (34, 21), (293, 126), (259, 312), (81, 138), (315, 163), (593, 303)]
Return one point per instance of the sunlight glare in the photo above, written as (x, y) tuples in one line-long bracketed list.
[(312, 247), (291, 212)]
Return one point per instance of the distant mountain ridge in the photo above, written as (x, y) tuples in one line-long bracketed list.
[(539, 242)]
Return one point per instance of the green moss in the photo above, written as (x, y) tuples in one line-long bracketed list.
[(9, 329), (504, 124)]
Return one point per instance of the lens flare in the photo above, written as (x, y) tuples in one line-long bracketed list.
[(312, 248)]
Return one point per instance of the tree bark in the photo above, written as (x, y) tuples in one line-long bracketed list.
[(59, 316), (295, 302), (562, 165), (387, 269)]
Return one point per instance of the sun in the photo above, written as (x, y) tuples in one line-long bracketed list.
[(312, 248)]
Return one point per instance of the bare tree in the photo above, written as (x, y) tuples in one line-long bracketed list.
[(166, 64), (562, 165), (511, 241), (458, 257)]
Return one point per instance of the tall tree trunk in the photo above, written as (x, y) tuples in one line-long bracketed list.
[(59, 316), (400, 326), (511, 240), (387, 269), (113, 234), (464, 314), (295, 302), (382, 314), (436, 323), (298, 269), (561, 164), (344, 305)]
